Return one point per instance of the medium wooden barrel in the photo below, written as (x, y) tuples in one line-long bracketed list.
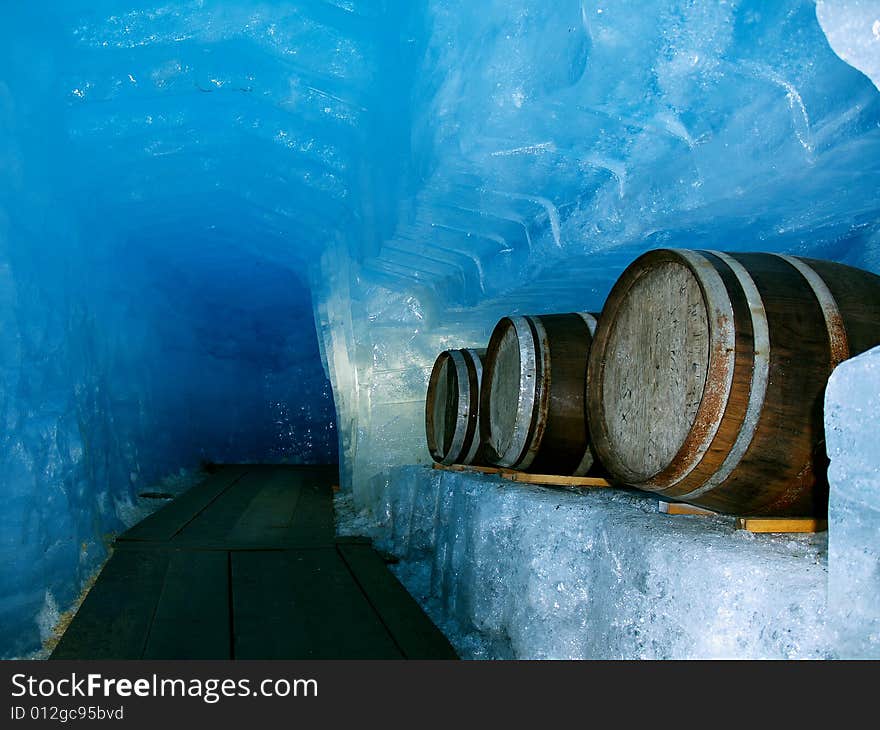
[(708, 370), (453, 405), (532, 411)]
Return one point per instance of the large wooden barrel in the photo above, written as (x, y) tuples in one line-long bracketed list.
[(532, 411), (453, 405), (708, 371)]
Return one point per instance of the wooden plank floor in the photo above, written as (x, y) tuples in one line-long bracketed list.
[(246, 565)]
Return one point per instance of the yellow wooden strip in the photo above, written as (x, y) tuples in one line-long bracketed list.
[(526, 478), (470, 467), (555, 480), (781, 524), (680, 508), (486, 469)]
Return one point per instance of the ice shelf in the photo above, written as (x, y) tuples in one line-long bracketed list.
[(852, 429), (551, 143), (516, 571)]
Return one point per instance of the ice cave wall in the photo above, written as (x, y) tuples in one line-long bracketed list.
[(553, 142), (188, 185), (170, 174)]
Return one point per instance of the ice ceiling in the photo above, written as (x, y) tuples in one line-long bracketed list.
[(208, 208)]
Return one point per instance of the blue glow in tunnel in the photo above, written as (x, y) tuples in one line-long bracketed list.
[(242, 230), (169, 176)]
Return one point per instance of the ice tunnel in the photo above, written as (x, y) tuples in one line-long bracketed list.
[(238, 231)]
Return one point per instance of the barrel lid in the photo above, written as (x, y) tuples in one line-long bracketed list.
[(663, 359), (511, 390)]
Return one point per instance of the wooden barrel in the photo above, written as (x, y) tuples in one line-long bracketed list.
[(453, 405), (532, 411), (708, 370)]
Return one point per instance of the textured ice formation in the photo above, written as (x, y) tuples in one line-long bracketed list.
[(510, 570), (853, 30), (553, 142), (156, 304), (188, 188), (852, 428)]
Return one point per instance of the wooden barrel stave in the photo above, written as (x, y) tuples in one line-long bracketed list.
[(565, 442), (546, 433), (452, 407), (513, 386), (777, 471), (733, 402), (745, 399), (766, 455), (855, 294)]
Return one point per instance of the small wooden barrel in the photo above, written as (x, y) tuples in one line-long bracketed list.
[(708, 370), (532, 411), (453, 405)]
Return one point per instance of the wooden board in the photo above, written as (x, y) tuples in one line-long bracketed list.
[(263, 509), (470, 467), (528, 478), (192, 618), (114, 620), (313, 521), (222, 582), (174, 516), (269, 514), (555, 480), (411, 629), (218, 547), (212, 525), (680, 508), (303, 604), (781, 524)]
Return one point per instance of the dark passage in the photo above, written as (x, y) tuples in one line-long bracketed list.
[(247, 566)]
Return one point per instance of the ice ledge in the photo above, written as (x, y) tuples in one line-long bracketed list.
[(517, 571), (509, 570)]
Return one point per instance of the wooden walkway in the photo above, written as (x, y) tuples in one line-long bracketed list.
[(246, 565)]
